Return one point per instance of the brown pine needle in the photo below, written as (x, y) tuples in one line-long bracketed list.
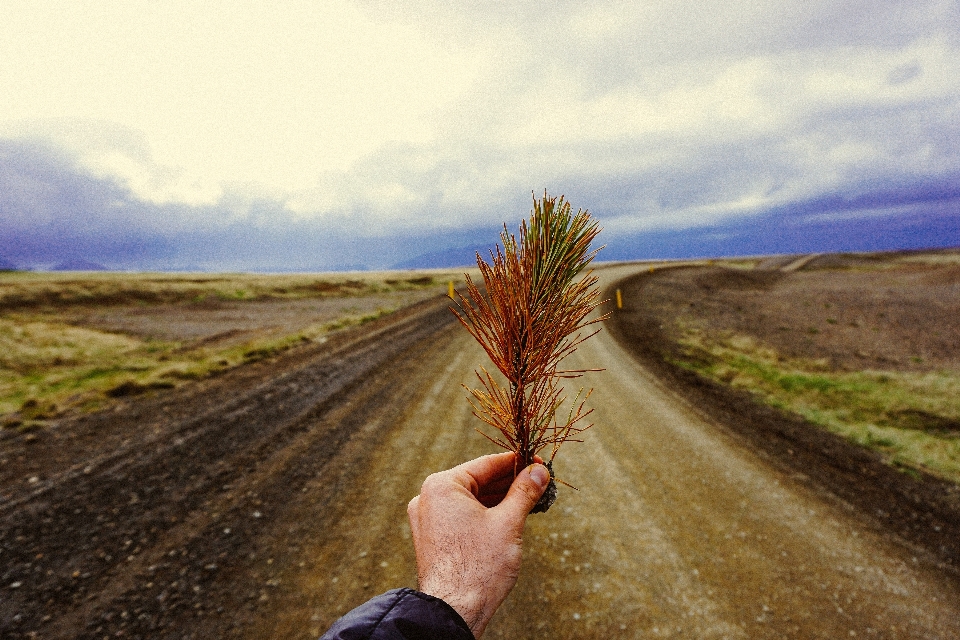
[(533, 316)]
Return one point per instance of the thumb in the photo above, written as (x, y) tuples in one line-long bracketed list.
[(524, 493)]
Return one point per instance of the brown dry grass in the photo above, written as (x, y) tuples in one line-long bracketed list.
[(28, 290), (53, 360)]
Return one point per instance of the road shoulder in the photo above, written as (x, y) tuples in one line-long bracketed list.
[(922, 512)]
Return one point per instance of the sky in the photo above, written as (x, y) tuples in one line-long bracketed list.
[(183, 135)]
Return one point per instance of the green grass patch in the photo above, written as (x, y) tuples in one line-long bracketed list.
[(913, 418), (48, 368)]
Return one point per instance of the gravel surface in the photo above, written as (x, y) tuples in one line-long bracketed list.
[(269, 501)]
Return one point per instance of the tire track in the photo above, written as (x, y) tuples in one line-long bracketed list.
[(73, 543)]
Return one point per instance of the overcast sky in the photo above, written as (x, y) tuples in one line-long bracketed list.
[(254, 135)]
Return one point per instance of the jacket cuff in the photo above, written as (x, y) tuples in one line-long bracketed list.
[(401, 614)]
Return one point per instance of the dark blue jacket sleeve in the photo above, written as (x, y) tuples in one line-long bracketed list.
[(401, 614)]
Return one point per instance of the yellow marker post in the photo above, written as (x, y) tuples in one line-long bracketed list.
[(450, 290), (652, 269), (619, 300)]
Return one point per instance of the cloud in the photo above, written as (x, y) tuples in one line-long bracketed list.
[(117, 153), (382, 124), (699, 139), (52, 209)]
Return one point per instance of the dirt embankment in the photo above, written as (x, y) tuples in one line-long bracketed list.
[(855, 320)]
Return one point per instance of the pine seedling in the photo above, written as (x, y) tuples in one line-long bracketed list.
[(535, 313)]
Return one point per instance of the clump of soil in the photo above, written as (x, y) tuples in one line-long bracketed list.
[(549, 494), (134, 388)]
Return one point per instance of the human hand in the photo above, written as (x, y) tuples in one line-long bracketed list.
[(467, 526)]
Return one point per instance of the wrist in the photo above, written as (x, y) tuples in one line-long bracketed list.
[(470, 606)]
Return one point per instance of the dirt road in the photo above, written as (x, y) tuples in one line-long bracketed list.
[(269, 501)]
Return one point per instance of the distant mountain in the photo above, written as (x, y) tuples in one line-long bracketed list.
[(793, 230), (348, 266), (456, 257), (79, 264), (6, 265)]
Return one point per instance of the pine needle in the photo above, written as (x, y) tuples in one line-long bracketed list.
[(535, 313)]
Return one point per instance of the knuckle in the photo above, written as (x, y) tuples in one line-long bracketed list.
[(439, 484), (432, 484)]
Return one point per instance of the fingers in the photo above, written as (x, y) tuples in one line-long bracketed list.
[(524, 493), (489, 478), (497, 487), (492, 494), (485, 470), (491, 500), (413, 515)]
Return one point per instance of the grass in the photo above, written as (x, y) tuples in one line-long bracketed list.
[(945, 257), (735, 264), (20, 290), (49, 367), (912, 418)]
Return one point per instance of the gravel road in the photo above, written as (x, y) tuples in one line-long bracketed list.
[(269, 501)]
